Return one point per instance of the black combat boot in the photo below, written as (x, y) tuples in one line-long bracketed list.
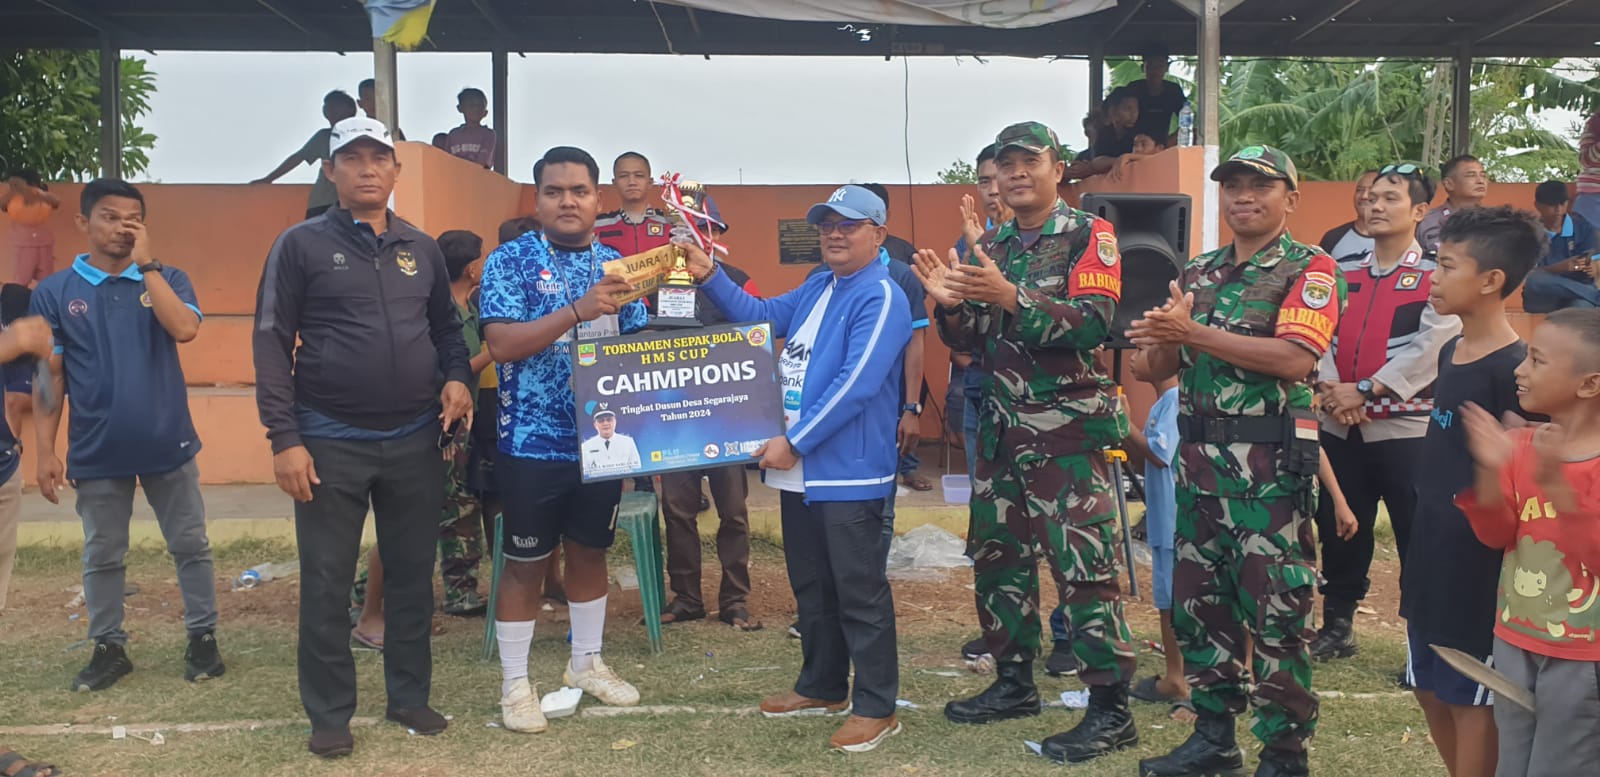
[(1209, 752), (1107, 727), (1013, 695), (1337, 639), (1281, 763)]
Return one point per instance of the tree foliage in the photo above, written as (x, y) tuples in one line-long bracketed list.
[(959, 171), (1338, 118), (50, 113)]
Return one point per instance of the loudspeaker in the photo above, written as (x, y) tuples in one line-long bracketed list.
[(1153, 236)]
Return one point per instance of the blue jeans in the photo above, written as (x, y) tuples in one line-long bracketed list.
[(1587, 206), (1545, 292), (969, 436)]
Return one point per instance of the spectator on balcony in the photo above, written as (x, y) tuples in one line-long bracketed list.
[(1565, 277), (367, 95), (1351, 238), (1116, 138), (336, 107), (28, 203), (472, 141), (1160, 99)]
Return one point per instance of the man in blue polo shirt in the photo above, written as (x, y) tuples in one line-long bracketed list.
[(19, 337), (118, 315), (1564, 278)]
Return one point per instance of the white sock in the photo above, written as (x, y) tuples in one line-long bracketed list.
[(588, 632), (515, 638)]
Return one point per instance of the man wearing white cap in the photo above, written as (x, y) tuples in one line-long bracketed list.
[(355, 413), (609, 453)]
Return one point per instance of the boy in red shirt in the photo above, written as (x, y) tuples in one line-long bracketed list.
[(1537, 497)]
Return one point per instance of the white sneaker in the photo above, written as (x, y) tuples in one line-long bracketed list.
[(603, 684), (519, 709)]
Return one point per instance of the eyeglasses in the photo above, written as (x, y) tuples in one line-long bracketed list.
[(842, 227), (1404, 169)]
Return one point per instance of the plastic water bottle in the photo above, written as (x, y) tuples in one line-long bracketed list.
[(1186, 125), (265, 573)]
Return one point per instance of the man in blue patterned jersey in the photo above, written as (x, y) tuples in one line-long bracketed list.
[(541, 292)]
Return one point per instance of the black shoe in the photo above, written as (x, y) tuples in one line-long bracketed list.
[(110, 664), (422, 720), (331, 744), (1209, 752), (1107, 727), (705, 504), (1337, 639), (1061, 663), (1403, 680), (975, 649), (1277, 763), (201, 661), (1013, 695)]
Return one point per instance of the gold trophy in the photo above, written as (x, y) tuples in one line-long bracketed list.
[(677, 296)]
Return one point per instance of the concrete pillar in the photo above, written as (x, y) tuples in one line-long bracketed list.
[(1209, 81), (387, 86), (501, 111), (1461, 104)]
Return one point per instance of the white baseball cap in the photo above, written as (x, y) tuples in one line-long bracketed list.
[(355, 128)]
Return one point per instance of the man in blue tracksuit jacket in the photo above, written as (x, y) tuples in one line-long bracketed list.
[(845, 336)]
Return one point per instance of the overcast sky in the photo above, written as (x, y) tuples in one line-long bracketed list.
[(755, 119)]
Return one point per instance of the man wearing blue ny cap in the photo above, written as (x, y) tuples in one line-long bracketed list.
[(844, 337)]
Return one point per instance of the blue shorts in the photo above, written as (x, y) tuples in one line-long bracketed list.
[(1426, 671), (1161, 560), (18, 378)]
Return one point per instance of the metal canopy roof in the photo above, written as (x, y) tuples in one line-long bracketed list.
[(1349, 28)]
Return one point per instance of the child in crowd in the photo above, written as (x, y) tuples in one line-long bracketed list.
[(1158, 444), (472, 141), (1143, 146), (1447, 584), (28, 203), (1537, 499)]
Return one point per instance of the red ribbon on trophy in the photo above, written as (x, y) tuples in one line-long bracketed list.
[(690, 210)]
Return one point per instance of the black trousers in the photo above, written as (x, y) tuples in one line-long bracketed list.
[(403, 481), (836, 568), (1367, 472)]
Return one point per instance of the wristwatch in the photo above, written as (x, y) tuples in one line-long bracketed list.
[(914, 408), (155, 265), (1367, 391)]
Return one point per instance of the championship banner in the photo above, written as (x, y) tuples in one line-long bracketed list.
[(659, 402)]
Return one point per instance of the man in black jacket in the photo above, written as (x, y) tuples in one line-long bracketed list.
[(355, 415)]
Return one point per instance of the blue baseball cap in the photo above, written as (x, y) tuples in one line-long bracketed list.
[(714, 212), (852, 202)]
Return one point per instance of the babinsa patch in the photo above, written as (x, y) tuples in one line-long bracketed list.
[(1318, 290)]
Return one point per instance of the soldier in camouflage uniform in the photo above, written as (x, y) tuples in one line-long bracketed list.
[(1243, 333), (1034, 299)]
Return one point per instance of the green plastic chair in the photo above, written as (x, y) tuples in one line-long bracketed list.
[(637, 515)]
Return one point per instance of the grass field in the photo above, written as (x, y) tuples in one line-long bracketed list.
[(710, 675)]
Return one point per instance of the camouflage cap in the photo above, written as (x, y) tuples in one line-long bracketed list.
[(1029, 136), (1265, 160)]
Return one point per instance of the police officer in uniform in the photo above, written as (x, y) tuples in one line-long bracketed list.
[(1243, 333), (1035, 297)]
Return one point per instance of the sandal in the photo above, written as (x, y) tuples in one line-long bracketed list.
[(738, 617), (1148, 690), (678, 613), (1183, 711), (12, 764), (917, 483), (366, 640)]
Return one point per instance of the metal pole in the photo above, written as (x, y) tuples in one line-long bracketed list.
[(502, 109), (110, 108), (1461, 104), (386, 89)]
